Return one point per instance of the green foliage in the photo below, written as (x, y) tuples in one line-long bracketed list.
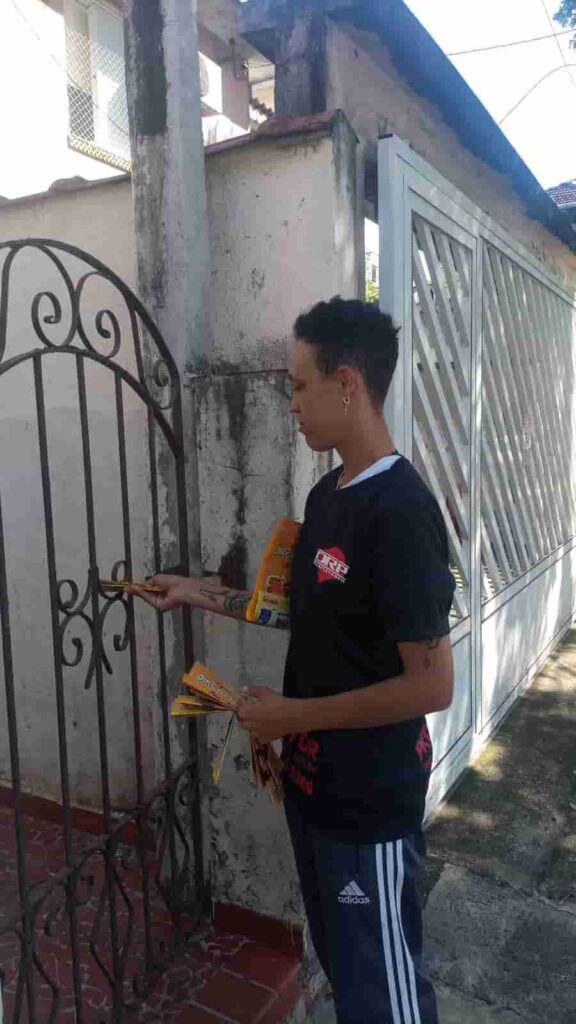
[(566, 14), (371, 292)]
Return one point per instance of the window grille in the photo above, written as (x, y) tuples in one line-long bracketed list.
[(97, 104)]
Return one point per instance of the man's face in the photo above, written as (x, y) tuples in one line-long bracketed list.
[(317, 398)]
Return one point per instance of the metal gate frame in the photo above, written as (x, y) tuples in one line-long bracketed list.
[(409, 187), (167, 850)]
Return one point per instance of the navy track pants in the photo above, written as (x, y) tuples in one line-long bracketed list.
[(365, 921)]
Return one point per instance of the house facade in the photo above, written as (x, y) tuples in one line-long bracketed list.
[(477, 265)]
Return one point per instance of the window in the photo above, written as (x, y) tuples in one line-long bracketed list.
[(97, 106)]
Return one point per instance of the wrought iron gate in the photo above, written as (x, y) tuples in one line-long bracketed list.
[(101, 872)]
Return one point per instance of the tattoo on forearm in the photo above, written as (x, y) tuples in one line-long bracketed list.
[(430, 645), (235, 602)]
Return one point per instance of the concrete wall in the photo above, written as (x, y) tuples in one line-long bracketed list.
[(281, 221), (96, 217), (219, 17), (281, 216), (363, 82)]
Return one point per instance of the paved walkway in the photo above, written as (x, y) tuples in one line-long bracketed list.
[(221, 978), (500, 891)]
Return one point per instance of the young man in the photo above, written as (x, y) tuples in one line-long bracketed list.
[(369, 657)]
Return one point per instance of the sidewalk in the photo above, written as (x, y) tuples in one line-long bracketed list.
[(500, 889)]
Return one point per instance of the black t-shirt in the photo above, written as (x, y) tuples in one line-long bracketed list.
[(370, 570)]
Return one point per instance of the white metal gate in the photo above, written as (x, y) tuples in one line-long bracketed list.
[(483, 403)]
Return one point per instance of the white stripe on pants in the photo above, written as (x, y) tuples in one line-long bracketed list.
[(399, 966)]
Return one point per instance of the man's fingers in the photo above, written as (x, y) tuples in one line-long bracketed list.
[(155, 600), (257, 691), (243, 712), (163, 580)]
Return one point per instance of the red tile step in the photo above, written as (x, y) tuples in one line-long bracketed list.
[(241, 968), (249, 984)]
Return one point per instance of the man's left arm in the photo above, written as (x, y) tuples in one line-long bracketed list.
[(425, 685)]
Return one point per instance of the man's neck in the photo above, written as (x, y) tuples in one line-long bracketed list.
[(363, 449)]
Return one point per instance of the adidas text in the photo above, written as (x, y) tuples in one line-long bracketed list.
[(353, 894)]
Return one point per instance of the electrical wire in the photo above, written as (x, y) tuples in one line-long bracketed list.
[(516, 42), (560, 50), (561, 67), (63, 68)]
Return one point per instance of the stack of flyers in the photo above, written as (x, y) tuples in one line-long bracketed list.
[(206, 695)]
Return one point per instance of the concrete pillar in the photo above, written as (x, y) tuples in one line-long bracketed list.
[(300, 56), (171, 234), (172, 247), (294, 34), (291, 33)]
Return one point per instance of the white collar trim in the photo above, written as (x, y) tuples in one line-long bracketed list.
[(380, 466)]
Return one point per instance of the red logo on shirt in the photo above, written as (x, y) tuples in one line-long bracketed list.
[(331, 565), (300, 755), (424, 748)]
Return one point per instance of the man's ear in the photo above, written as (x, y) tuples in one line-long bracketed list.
[(349, 378)]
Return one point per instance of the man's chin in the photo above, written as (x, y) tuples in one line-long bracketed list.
[(316, 445)]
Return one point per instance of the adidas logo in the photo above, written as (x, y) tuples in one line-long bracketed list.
[(353, 894)]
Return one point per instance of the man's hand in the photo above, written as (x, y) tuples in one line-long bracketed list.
[(268, 717), (175, 591)]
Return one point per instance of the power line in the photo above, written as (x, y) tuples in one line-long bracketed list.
[(560, 50), (561, 67), (516, 42)]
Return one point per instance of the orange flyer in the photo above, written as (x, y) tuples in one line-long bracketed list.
[(270, 602)]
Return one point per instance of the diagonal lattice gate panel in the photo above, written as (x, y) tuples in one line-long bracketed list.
[(483, 404), (442, 329), (527, 421)]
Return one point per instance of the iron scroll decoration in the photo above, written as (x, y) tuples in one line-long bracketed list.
[(157, 376), (157, 384), (62, 324)]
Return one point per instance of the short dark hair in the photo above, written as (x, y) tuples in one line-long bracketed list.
[(353, 332)]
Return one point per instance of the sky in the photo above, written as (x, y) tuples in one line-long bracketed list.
[(543, 128)]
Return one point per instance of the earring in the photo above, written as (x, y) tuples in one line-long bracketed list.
[(346, 400)]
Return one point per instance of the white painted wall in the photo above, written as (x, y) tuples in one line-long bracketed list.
[(97, 218)]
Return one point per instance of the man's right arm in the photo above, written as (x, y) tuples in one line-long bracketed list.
[(205, 592)]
